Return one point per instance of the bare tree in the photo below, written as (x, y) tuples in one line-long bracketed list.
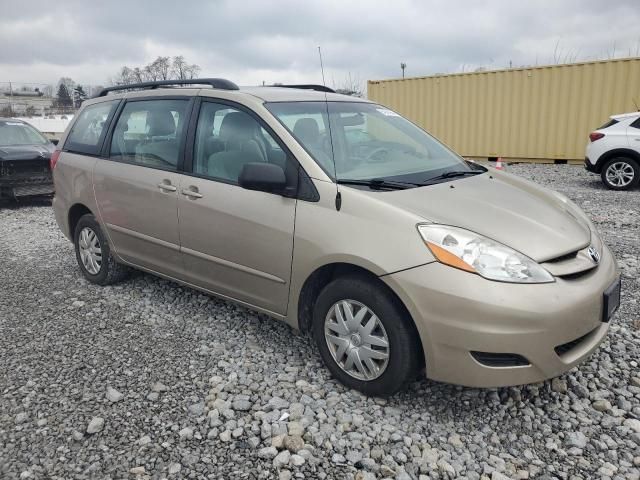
[(122, 77), (179, 67), (162, 68), (351, 85), (193, 71)]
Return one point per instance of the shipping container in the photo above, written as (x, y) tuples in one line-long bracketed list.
[(520, 114)]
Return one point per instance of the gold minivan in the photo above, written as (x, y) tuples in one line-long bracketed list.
[(341, 218)]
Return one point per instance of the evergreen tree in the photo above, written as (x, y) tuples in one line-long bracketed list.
[(78, 96), (63, 99)]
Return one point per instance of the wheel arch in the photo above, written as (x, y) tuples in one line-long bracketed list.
[(75, 213), (616, 152), (322, 276)]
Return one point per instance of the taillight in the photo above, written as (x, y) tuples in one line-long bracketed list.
[(593, 136), (54, 158)]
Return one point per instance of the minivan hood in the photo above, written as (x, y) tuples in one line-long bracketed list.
[(503, 207)]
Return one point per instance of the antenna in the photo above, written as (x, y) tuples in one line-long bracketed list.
[(333, 156), (321, 66)]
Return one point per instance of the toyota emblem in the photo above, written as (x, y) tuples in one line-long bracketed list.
[(593, 253)]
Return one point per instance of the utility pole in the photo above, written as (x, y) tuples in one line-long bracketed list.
[(10, 98), (403, 66)]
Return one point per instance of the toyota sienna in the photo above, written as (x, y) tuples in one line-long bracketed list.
[(341, 218)]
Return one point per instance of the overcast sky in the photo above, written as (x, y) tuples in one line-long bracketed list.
[(250, 41)]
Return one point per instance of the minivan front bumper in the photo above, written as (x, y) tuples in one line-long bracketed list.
[(519, 333)]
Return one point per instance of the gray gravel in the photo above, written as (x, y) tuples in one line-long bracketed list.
[(148, 379)]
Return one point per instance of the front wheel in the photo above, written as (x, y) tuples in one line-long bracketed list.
[(93, 253), (620, 173), (365, 337)]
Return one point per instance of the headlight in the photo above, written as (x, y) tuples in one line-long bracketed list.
[(469, 251)]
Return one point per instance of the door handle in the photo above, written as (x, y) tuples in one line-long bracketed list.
[(191, 192), (167, 187)]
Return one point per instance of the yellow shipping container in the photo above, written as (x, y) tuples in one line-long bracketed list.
[(539, 113)]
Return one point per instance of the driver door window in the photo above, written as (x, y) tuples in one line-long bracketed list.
[(227, 139), (150, 133)]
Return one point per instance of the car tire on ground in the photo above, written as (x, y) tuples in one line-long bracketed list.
[(365, 336), (620, 173), (94, 254)]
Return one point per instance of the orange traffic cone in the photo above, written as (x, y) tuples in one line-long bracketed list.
[(499, 165)]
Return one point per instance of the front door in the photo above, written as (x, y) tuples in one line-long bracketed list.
[(235, 242), (137, 187)]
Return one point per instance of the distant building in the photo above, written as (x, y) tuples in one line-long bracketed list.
[(20, 102)]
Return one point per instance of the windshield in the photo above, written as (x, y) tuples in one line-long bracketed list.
[(18, 133), (366, 141)]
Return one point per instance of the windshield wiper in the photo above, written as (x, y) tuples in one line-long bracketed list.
[(461, 173), (378, 183)]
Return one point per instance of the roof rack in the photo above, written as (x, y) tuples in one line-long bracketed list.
[(219, 83), (317, 88)]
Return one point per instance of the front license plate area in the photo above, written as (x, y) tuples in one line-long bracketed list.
[(611, 300)]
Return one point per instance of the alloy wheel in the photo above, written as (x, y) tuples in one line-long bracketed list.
[(620, 174)]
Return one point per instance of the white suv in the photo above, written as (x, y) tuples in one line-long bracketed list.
[(613, 151)]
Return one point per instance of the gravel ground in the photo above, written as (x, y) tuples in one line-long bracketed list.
[(151, 380)]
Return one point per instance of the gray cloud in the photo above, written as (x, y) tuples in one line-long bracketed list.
[(252, 41)]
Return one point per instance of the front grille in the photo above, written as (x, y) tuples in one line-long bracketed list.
[(568, 256), (500, 359), (567, 347), (571, 266), (576, 275)]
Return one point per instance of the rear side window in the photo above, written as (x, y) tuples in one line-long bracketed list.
[(636, 123), (150, 133), (610, 123), (88, 131)]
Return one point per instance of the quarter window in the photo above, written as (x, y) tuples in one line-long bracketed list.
[(89, 129), (149, 133)]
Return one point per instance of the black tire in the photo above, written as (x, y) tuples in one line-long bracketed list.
[(628, 163), (405, 350), (110, 271)]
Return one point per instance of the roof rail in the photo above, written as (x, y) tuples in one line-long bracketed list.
[(219, 83), (317, 88)]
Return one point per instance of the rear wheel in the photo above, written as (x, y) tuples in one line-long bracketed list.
[(620, 173), (93, 253), (365, 336)]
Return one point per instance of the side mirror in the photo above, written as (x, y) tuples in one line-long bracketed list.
[(264, 177), (54, 141)]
